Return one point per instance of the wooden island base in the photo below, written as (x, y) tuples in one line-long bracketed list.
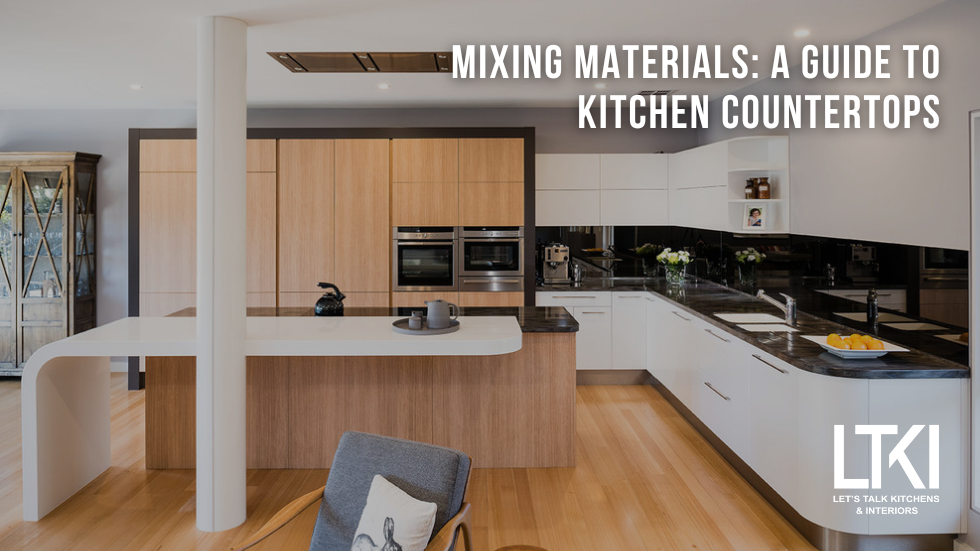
[(511, 410)]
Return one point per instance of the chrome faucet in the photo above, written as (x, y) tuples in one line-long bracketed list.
[(789, 308)]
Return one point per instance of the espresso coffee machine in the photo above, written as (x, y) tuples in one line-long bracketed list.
[(555, 265), (861, 264)]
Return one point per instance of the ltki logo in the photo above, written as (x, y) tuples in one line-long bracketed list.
[(897, 454)]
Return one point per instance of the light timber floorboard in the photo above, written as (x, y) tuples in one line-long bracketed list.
[(645, 480)]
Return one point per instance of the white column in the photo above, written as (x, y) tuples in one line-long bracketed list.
[(220, 273)]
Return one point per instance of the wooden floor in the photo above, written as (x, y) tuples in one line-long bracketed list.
[(645, 480)]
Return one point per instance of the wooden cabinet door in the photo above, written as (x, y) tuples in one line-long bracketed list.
[(491, 203), (362, 248), (487, 298), (425, 160), (491, 182), (306, 214), (425, 182), (260, 238), (260, 156), (168, 155), (168, 232), (491, 160), (425, 204)]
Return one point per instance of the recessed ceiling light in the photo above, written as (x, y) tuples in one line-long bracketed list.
[(136, 87), (801, 33), (600, 86), (384, 86)]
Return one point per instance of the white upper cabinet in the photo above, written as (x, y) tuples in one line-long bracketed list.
[(708, 185), (634, 171), (566, 207), (704, 166), (566, 171), (700, 188), (607, 190)]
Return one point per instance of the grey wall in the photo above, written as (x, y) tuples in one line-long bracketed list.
[(891, 186), (556, 130), (106, 132)]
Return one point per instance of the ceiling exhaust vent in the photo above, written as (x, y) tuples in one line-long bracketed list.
[(656, 92), (365, 62)]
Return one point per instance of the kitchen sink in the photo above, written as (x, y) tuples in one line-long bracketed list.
[(882, 317), (915, 326), (767, 328), (748, 318)]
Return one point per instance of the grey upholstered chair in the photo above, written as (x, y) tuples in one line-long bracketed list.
[(424, 471)]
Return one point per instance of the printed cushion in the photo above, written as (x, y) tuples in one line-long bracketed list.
[(393, 520)]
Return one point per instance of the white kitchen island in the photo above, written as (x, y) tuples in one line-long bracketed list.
[(65, 390)]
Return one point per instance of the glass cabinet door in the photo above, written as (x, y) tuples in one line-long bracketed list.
[(84, 234), (43, 283), (8, 275)]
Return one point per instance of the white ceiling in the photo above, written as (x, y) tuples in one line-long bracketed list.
[(72, 54)]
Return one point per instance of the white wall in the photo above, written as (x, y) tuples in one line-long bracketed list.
[(106, 132), (891, 186)]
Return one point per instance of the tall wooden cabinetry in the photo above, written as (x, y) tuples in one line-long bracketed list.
[(306, 216), (491, 182), (168, 224), (333, 220), (457, 182), (47, 251), (322, 210), (425, 182), (362, 247)]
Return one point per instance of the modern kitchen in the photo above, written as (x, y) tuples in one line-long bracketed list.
[(662, 338)]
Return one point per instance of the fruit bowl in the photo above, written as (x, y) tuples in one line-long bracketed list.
[(854, 354)]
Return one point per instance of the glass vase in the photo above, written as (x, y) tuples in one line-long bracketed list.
[(649, 268), (675, 273), (747, 274)]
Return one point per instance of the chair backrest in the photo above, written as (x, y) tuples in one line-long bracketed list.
[(423, 471)]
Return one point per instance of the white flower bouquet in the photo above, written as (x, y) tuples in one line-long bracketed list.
[(749, 256), (671, 258)]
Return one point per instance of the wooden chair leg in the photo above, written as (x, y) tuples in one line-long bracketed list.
[(281, 518)]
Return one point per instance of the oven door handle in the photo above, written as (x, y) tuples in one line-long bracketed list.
[(491, 239), (422, 243)]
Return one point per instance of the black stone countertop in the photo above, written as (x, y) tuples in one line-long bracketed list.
[(532, 319), (704, 298)]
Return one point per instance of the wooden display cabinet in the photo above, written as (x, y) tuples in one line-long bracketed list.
[(47, 251)]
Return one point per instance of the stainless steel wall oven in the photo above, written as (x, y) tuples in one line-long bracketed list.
[(491, 258), (424, 258)]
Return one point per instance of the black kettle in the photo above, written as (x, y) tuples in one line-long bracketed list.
[(330, 304)]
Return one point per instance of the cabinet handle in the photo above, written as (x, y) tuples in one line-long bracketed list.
[(575, 296), (712, 333), (630, 296), (758, 357), (592, 312), (680, 316), (715, 390)]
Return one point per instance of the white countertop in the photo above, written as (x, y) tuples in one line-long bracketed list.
[(297, 336)]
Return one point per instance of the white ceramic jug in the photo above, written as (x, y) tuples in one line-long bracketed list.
[(440, 313)]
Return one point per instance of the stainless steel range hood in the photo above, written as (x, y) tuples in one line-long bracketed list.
[(365, 62)]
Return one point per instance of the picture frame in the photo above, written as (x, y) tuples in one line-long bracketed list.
[(755, 217)]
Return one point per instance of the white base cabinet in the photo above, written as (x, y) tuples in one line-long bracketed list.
[(593, 343), (721, 393), (594, 313), (772, 418), (669, 358), (780, 420), (629, 330)]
